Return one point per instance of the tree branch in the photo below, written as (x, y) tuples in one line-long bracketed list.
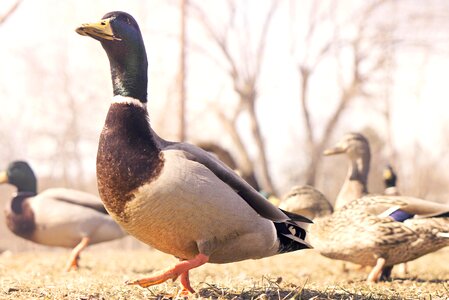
[(12, 9)]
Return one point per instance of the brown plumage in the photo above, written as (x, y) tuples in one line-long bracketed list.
[(364, 231), (117, 180), (20, 216)]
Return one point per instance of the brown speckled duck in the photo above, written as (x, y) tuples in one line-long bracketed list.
[(306, 201), (375, 230), (357, 149), (56, 217), (172, 196)]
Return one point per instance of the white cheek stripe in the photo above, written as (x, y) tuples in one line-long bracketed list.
[(128, 100)]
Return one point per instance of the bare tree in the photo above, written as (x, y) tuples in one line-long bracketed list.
[(226, 157), (182, 71), (244, 67), (423, 172), (57, 97), (367, 61), (9, 150)]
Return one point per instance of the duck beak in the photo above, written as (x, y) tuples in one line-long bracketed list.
[(100, 31), (334, 150), (387, 174), (4, 177)]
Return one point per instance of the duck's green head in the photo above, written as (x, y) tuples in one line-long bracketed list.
[(389, 176), (20, 174), (121, 38)]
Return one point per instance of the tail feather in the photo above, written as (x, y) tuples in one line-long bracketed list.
[(443, 234), (445, 215), (291, 237)]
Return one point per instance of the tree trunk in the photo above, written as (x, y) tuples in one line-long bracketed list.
[(267, 183), (182, 74)]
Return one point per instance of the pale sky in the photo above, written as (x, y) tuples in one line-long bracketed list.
[(39, 41)]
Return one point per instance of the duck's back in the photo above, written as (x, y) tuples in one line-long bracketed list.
[(365, 230), (357, 236), (64, 222)]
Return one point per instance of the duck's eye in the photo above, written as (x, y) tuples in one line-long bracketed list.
[(103, 23)]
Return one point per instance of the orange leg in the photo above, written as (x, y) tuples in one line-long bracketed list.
[(72, 263), (375, 273), (185, 281), (181, 268)]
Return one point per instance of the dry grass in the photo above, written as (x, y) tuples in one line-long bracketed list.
[(300, 275)]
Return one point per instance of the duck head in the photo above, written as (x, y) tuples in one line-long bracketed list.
[(120, 36), (355, 145), (20, 174), (356, 148), (307, 201)]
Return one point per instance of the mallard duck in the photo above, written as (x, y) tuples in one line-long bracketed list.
[(356, 147), (307, 201), (173, 196), (390, 179), (375, 230), (56, 217)]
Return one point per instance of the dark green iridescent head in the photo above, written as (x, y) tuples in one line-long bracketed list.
[(20, 174), (121, 38)]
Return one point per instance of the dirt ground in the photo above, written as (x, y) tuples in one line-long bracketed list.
[(299, 275)]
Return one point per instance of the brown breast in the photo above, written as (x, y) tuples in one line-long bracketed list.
[(20, 217), (128, 157)]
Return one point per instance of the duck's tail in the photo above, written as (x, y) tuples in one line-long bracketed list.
[(292, 236)]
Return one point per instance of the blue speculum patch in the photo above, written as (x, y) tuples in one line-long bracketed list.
[(400, 216)]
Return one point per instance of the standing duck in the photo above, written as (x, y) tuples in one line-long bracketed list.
[(356, 147), (172, 196), (367, 231), (56, 217)]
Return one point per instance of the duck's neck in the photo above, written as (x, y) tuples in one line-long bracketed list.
[(18, 199), (26, 186), (129, 69), (129, 82), (390, 182), (355, 185), (358, 171)]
